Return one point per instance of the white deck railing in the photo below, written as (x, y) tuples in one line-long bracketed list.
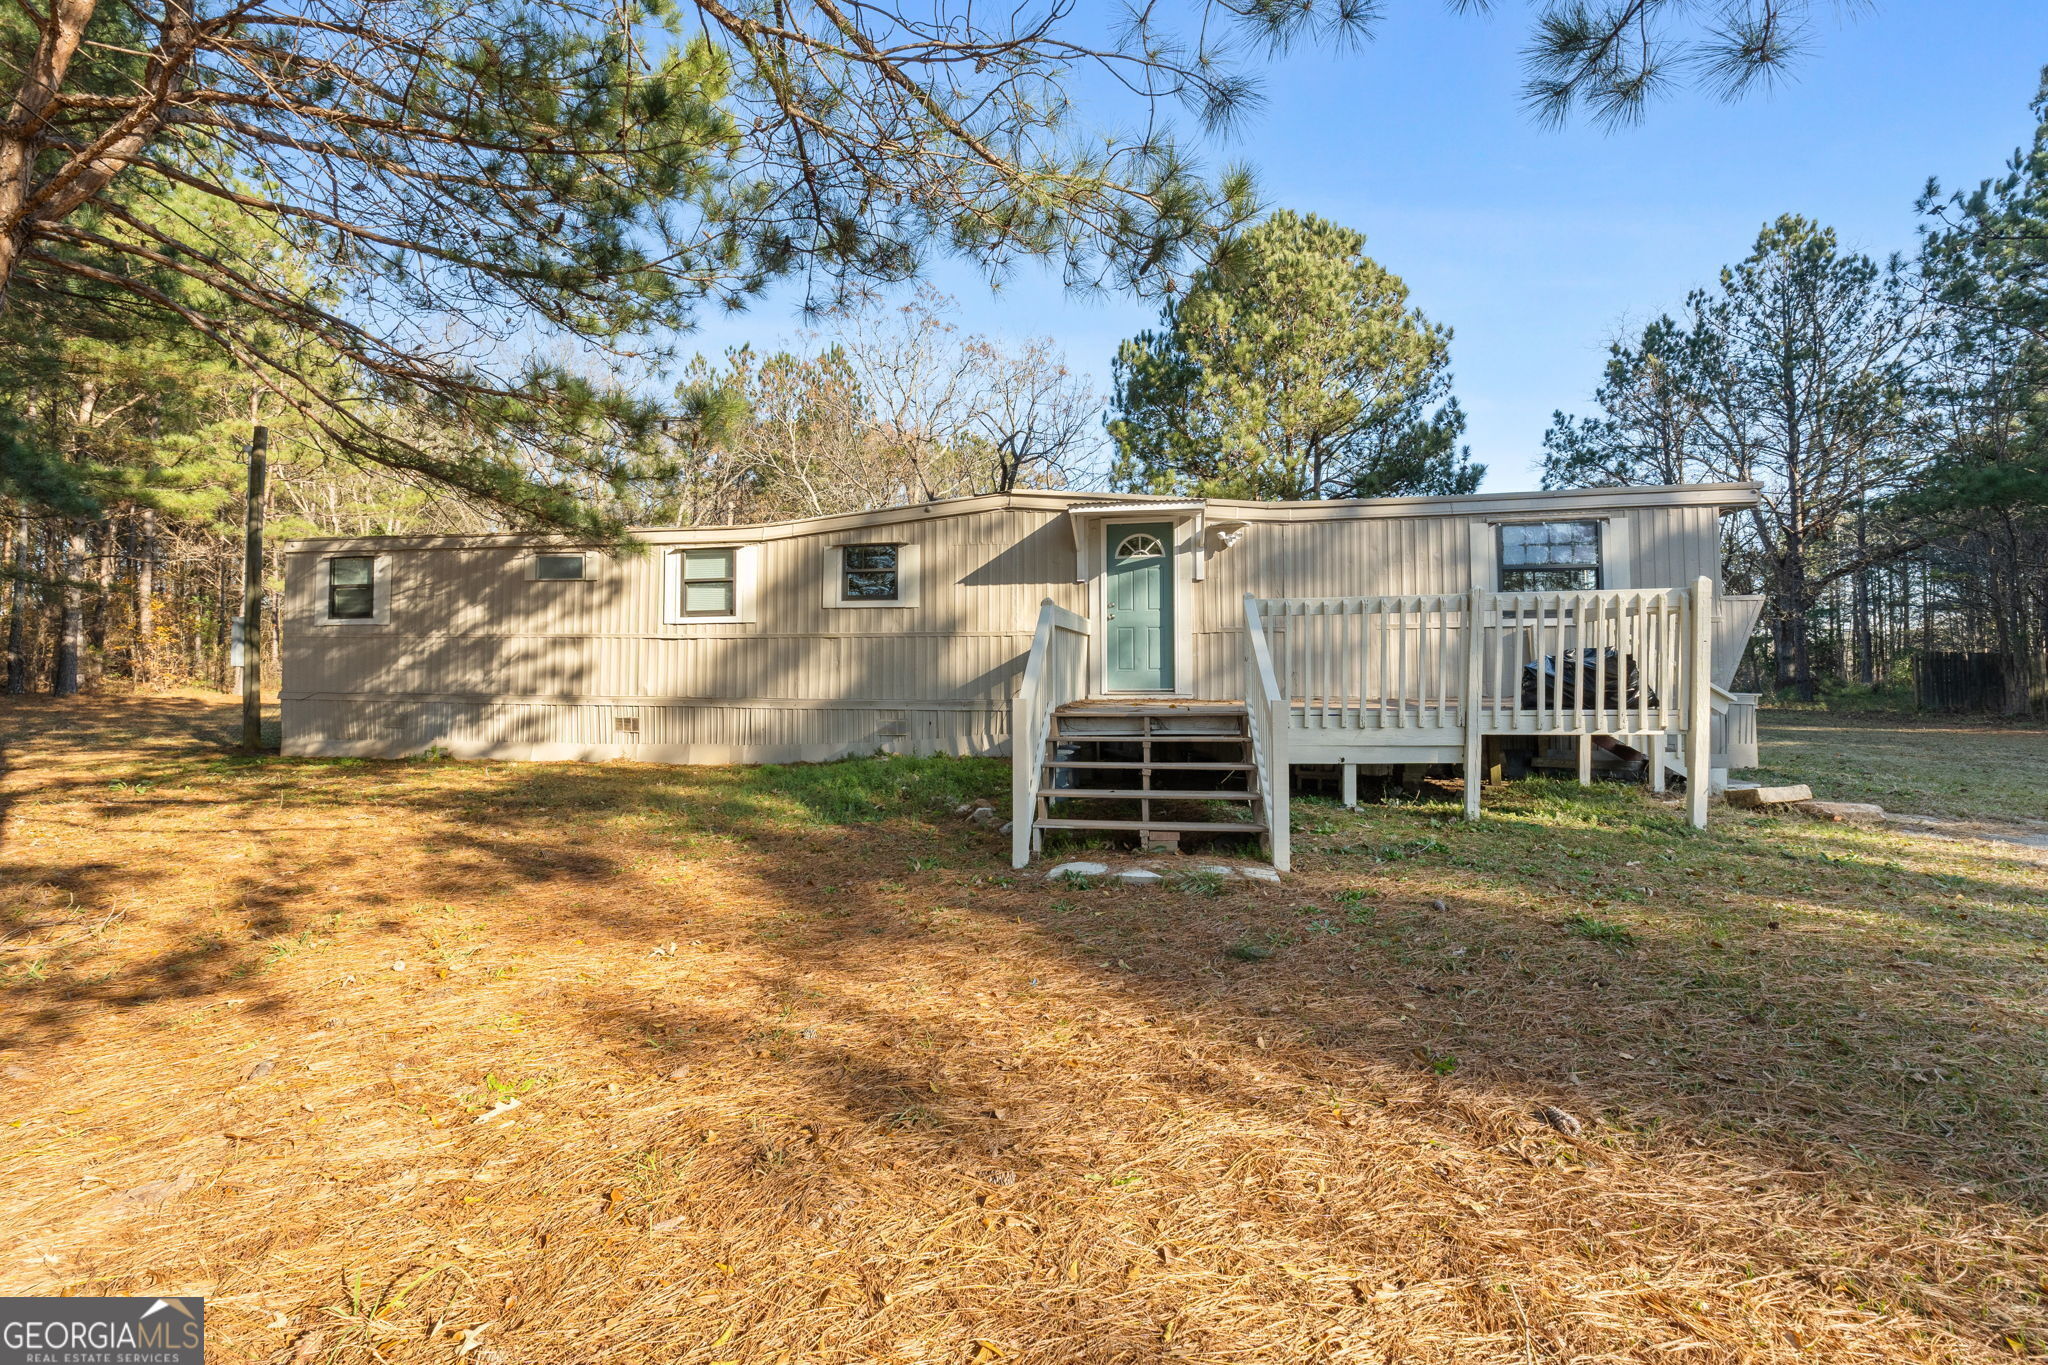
[(1269, 717), (1460, 666), (1055, 673)]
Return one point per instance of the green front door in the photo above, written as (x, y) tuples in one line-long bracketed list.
[(1139, 602)]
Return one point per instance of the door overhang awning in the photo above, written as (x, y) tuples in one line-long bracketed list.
[(1084, 517)]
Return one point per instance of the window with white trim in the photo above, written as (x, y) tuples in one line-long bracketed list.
[(875, 575), (870, 573), (708, 582), (352, 588), (563, 567), (1550, 556)]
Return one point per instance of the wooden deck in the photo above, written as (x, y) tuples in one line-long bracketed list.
[(1409, 680)]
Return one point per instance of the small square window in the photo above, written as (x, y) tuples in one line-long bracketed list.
[(710, 585), (1550, 556), (352, 588), (868, 573), (557, 568)]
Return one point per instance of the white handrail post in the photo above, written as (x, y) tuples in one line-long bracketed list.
[(1269, 711), (1023, 800), (1700, 704), (1468, 705), (1279, 822), (1027, 747)]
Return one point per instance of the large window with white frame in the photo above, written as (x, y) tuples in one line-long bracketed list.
[(1550, 556)]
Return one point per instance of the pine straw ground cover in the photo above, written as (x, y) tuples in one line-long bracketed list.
[(434, 1061)]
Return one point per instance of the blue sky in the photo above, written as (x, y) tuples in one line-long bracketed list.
[(1538, 246)]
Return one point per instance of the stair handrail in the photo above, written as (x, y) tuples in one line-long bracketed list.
[(1052, 678), (1267, 717)]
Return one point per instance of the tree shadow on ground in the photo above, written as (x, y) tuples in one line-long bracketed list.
[(1731, 1005)]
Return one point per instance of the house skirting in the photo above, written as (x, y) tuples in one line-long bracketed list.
[(646, 730)]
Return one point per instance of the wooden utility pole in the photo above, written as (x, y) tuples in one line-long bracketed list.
[(252, 592)]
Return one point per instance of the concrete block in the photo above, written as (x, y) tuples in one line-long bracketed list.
[(1769, 796)]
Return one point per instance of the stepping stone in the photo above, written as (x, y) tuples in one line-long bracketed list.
[(1769, 796), (1077, 870)]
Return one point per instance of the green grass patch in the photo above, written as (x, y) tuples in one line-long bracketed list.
[(1919, 766), (1599, 931)]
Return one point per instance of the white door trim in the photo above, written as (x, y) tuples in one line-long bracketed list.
[(1186, 534)]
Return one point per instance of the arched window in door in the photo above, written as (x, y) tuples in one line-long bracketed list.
[(1141, 545)]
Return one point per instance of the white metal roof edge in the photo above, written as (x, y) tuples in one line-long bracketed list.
[(1724, 497)]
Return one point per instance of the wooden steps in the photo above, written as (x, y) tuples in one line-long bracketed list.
[(1150, 794), (1170, 826), (1158, 767), (1123, 745)]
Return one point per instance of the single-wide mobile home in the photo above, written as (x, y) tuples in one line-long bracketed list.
[(1182, 650)]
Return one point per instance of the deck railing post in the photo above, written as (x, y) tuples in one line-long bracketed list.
[(1279, 796), (1468, 704), (1023, 766), (1269, 710), (1700, 703), (1027, 744)]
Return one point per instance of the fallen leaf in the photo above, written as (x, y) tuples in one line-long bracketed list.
[(503, 1106)]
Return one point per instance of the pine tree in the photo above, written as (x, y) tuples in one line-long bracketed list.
[(1293, 368)]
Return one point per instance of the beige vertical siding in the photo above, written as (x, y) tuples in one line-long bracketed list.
[(481, 660), (1675, 545)]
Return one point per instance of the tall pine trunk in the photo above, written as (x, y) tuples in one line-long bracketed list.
[(1866, 668), (17, 619), (104, 543), (145, 596), (223, 610), (71, 629)]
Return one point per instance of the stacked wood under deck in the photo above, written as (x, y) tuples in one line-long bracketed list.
[(1168, 758)]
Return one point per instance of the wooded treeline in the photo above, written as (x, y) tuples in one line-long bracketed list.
[(1895, 415), (443, 254), (883, 406)]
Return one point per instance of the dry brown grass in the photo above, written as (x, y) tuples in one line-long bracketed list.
[(800, 1091)]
